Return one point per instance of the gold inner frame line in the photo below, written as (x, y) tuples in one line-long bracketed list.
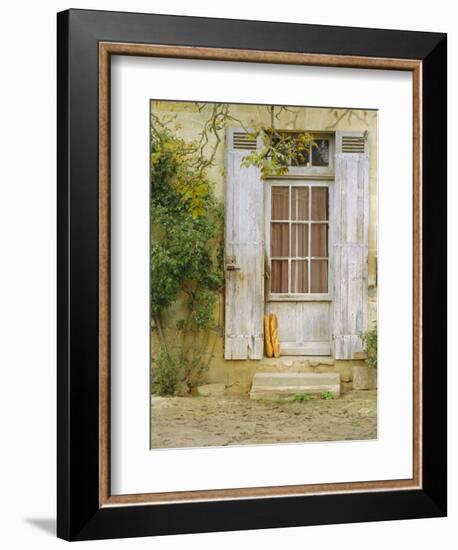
[(106, 50)]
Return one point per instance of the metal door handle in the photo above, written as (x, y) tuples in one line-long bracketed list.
[(231, 263)]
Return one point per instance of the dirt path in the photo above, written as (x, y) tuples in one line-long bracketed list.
[(218, 421)]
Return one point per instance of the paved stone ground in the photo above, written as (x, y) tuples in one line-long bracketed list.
[(231, 420)]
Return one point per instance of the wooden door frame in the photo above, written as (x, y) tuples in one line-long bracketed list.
[(325, 180)]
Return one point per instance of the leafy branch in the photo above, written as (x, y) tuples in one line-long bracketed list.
[(279, 151)]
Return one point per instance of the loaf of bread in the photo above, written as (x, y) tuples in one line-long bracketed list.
[(274, 334), (267, 338)]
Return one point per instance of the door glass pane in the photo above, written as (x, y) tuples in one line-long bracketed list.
[(279, 240), (280, 203), (299, 276), (279, 276), (295, 234), (319, 203), (320, 152), (319, 276), (299, 240), (320, 240), (300, 203)]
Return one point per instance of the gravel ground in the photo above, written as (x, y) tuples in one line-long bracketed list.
[(219, 421)]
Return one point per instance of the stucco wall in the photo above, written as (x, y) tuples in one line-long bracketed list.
[(191, 118)]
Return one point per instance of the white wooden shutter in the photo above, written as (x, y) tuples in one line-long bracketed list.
[(350, 243), (244, 261)]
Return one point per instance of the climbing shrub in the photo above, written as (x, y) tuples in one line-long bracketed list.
[(370, 346), (186, 261)]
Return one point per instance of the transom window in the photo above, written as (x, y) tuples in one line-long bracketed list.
[(299, 239), (318, 156)]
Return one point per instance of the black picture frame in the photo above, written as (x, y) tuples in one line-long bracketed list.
[(80, 516)]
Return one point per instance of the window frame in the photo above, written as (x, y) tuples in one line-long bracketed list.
[(315, 170), (309, 182)]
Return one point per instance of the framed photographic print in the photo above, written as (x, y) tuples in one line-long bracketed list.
[(252, 274)]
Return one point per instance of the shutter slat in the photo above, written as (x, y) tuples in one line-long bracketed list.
[(351, 142), (241, 140)]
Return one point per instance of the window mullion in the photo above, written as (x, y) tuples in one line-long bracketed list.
[(309, 261), (290, 241)]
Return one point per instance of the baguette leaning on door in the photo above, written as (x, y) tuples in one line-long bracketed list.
[(267, 339), (272, 343)]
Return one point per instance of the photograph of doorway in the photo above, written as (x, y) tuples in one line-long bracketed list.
[(263, 274)]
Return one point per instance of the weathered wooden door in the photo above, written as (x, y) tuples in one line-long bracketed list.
[(297, 252), (317, 248)]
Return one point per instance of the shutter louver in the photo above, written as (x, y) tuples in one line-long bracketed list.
[(242, 140), (352, 144), (350, 243), (244, 262)]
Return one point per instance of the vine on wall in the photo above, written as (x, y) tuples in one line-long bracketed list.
[(186, 261)]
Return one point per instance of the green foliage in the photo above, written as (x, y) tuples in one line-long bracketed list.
[(186, 258), (279, 151), (302, 397), (174, 374), (165, 374), (370, 346), (326, 395)]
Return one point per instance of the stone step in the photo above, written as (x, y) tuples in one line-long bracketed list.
[(298, 361), (273, 385), (289, 360)]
